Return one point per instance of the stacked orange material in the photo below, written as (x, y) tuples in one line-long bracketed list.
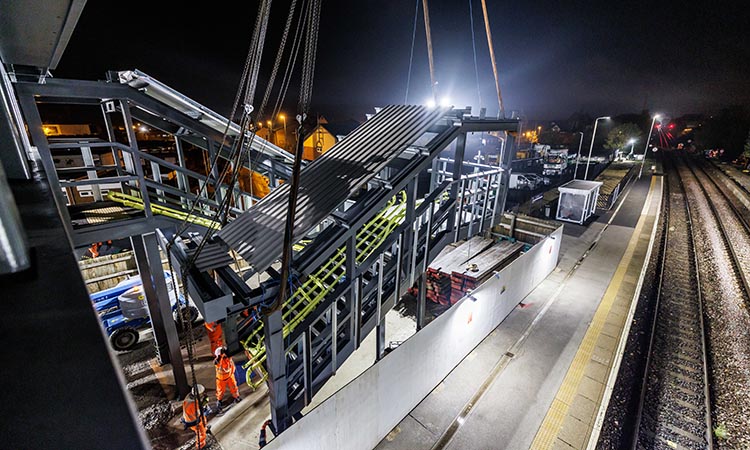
[(481, 267), (438, 277)]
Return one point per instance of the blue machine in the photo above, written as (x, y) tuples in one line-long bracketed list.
[(123, 311)]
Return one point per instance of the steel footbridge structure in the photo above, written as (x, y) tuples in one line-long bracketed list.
[(372, 212)]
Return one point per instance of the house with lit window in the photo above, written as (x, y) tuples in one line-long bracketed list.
[(325, 136)]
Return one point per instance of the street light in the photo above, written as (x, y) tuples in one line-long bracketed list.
[(591, 148), (648, 139), (270, 131), (283, 119), (578, 156), (632, 143)]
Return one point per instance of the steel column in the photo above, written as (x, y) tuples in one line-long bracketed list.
[(88, 161), (357, 311), (413, 265), (14, 143), (230, 334), (508, 152), (422, 299), (398, 266), (458, 161), (497, 199), (148, 260), (334, 336), (137, 164), (34, 123), (307, 365), (380, 327), (273, 326), (127, 158), (14, 252), (484, 204), (473, 186), (182, 181), (411, 202), (459, 209)]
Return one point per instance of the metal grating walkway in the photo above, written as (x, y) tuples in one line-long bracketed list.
[(257, 235)]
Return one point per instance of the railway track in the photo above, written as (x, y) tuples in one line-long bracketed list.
[(675, 408), (721, 240)]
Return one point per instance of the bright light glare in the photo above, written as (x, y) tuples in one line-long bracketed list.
[(142, 129), (430, 103), (445, 101)]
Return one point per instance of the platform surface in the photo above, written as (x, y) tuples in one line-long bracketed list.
[(537, 380)]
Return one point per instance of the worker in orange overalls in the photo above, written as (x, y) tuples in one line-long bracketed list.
[(225, 376), (213, 329), (193, 415)]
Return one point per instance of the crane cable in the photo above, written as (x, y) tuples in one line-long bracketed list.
[(501, 110), (248, 82), (303, 106)]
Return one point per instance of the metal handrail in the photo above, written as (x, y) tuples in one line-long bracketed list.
[(144, 182)]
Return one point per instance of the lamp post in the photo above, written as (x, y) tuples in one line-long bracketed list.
[(591, 147), (283, 119), (578, 156), (648, 139), (632, 144)]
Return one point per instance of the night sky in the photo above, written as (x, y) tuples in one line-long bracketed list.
[(555, 58)]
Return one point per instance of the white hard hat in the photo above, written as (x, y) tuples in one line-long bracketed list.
[(198, 390), (217, 352)]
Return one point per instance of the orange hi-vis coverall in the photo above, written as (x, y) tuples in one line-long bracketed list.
[(215, 337), (225, 377), (192, 417)]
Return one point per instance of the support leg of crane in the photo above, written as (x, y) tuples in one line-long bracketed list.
[(276, 367)]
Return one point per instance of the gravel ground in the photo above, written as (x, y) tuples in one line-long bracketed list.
[(155, 411), (728, 322), (728, 319), (674, 407)]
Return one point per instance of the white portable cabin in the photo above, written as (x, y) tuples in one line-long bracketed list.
[(577, 200)]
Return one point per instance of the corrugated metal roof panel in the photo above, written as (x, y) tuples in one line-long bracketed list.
[(257, 235)]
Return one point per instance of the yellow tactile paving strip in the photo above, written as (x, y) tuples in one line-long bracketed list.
[(551, 428)]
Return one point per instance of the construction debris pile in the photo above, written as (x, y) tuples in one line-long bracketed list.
[(460, 269)]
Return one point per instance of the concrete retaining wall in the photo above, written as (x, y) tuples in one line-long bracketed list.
[(361, 414)]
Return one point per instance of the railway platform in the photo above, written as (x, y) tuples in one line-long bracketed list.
[(542, 378)]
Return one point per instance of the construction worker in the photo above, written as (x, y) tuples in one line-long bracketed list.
[(213, 329), (225, 376), (193, 415)]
